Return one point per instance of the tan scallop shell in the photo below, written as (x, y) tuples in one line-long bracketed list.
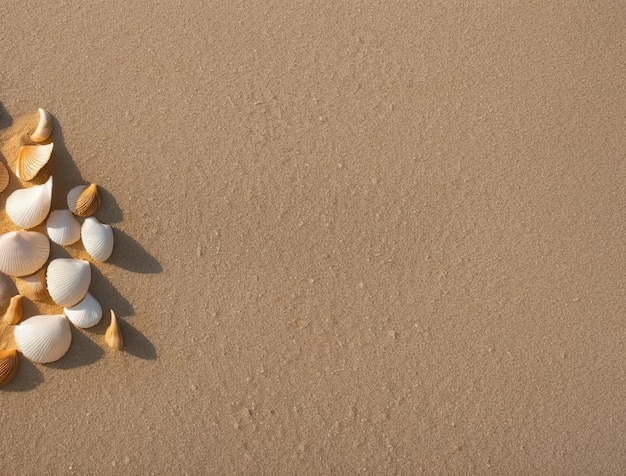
[(32, 159), (34, 286), (14, 313), (84, 200), (4, 177), (44, 127), (9, 363), (113, 336), (23, 252)]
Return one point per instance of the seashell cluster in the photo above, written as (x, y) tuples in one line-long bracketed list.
[(24, 253)]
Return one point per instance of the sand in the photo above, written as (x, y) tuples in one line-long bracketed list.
[(351, 238)]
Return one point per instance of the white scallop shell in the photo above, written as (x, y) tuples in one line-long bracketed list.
[(28, 207), (63, 228), (23, 252), (72, 197), (68, 280), (44, 339), (86, 313), (97, 238)]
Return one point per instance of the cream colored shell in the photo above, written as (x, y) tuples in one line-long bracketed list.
[(97, 238), (44, 126), (86, 313), (43, 338), (63, 229), (28, 207), (68, 280), (23, 252)]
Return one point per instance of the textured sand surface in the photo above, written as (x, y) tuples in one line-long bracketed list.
[(352, 237)]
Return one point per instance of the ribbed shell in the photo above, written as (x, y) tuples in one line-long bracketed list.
[(7, 291), (44, 339), (88, 202), (23, 252), (33, 286), (31, 159), (28, 207), (4, 177), (72, 197), (63, 228), (44, 127), (9, 364), (68, 280), (97, 238), (86, 313)]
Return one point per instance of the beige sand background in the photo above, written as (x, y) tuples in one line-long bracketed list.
[(352, 237)]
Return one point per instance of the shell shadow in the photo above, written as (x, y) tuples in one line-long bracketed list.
[(83, 351), (62, 167), (130, 255), (135, 343), (28, 377), (109, 297), (6, 120), (109, 212)]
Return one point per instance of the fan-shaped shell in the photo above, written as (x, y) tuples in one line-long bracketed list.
[(44, 127), (33, 286), (86, 313), (44, 339), (97, 238), (84, 200), (68, 280), (7, 291), (9, 363), (23, 252), (62, 227), (31, 159), (4, 177), (28, 207)]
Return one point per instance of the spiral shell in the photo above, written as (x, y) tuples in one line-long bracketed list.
[(44, 127), (44, 339), (14, 313), (23, 252), (113, 336), (68, 280), (28, 207)]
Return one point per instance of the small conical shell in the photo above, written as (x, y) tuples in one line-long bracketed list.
[(28, 207), (4, 177), (86, 313), (33, 286), (14, 313), (44, 339), (97, 238), (68, 280), (44, 127), (23, 252), (63, 228), (9, 363), (113, 336), (7, 291), (31, 159)]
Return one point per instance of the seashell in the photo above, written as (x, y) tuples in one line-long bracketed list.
[(113, 336), (4, 177), (34, 286), (7, 291), (23, 252), (9, 363), (14, 312), (68, 280), (63, 228), (44, 339), (28, 207), (97, 238), (32, 159), (44, 127), (86, 313), (84, 200)]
